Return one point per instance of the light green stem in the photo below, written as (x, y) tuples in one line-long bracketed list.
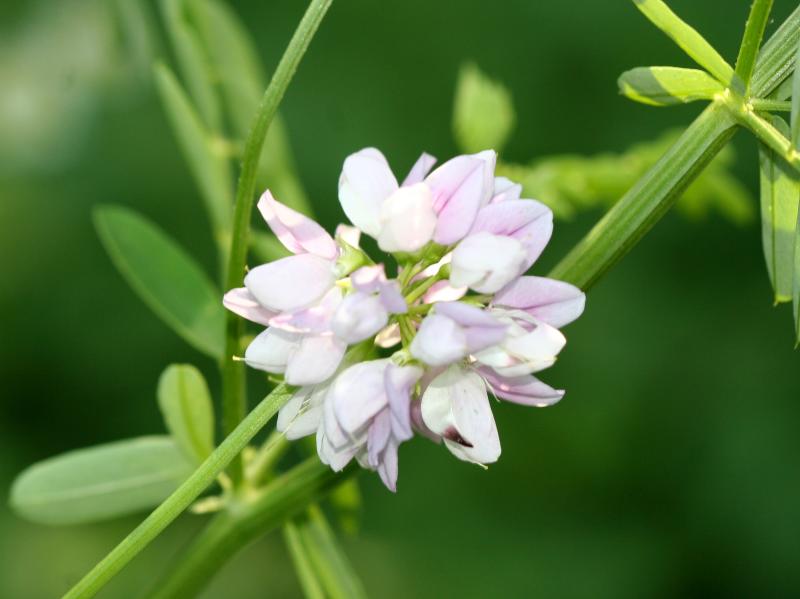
[(234, 401), (182, 498), (770, 105), (753, 32)]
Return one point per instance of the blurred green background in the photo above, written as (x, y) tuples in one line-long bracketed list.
[(670, 468)]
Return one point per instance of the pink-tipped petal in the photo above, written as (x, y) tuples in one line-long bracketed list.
[(359, 317), (291, 283), (486, 262), (526, 390), (505, 189), (270, 350), (297, 232), (240, 301), (528, 221), (366, 181), (420, 170), (399, 382), (443, 291), (439, 341), (407, 219), (460, 187), (316, 319), (554, 302), (388, 468), (358, 394)]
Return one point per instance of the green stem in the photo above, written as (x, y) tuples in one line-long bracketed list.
[(312, 589), (266, 458), (231, 530), (234, 402), (182, 498), (761, 105), (753, 33)]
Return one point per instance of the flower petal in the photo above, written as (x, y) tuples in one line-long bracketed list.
[(359, 317), (420, 170), (316, 319), (481, 328), (302, 414), (460, 187), (314, 359), (455, 405), (443, 291), (291, 283), (366, 181), (378, 436), (439, 341), (399, 382), (358, 394), (407, 219), (388, 469), (297, 232), (528, 221), (505, 189), (240, 301), (526, 390), (486, 262), (554, 302), (271, 349)]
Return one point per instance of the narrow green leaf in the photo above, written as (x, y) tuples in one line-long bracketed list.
[(102, 482), (238, 70), (164, 276), (186, 406), (312, 588), (795, 114), (780, 195), (208, 164), (751, 40), (776, 59), (483, 113), (193, 62), (689, 40), (329, 560), (665, 86), (796, 281)]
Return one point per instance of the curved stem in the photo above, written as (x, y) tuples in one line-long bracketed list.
[(176, 503), (230, 531), (234, 402)]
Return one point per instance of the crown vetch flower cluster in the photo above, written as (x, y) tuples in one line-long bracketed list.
[(459, 320)]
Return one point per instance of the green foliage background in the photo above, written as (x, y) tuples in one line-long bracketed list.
[(670, 468)]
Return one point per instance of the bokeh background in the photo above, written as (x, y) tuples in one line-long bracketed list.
[(670, 469)]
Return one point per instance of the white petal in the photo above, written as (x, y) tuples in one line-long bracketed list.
[(439, 341), (302, 414), (358, 394), (366, 181), (240, 301), (407, 219), (291, 283), (456, 406), (359, 317), (314, 359), (486, 262), (271, 349)]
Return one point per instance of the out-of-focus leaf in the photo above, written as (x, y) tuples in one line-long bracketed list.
[(329, 561), (97, 483), (689, 40), (193, 61), (571, 183), (796, 282), (164, 276), (266, 247), (780, 194), (312, 587), (795, 114), (346, 500), (237, 68), (483, 113), (139, 35), (208, 164), (665, 86), (186, 406)]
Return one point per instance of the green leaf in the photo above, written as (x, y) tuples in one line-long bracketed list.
[(689, 40), (483, 113), (164, 276), (780, 195), (346, 500), (312, 587), (751, 40), (207, 161), (238, 70), (665, 86), (796, 281), (185, 403), (102, 482), (795, 114), (328, 559), (194, 64)]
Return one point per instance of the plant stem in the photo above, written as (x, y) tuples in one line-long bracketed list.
[(267, 457), (753, 32), (309, 582), (760, 105), (230, 531), (234, 401), (183, 496)]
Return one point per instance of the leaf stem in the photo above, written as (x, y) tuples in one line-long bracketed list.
[(766, 105), (183, 496), (234, 401)]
